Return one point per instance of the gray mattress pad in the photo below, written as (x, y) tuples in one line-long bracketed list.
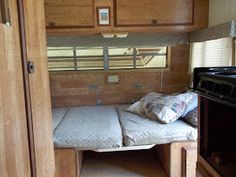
[(88, 128), (138, 130)]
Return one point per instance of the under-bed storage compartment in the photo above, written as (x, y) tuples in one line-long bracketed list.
[(68, 162), (178, 158)]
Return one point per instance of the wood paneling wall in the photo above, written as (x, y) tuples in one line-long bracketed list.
[(14, 148), (90, 88)]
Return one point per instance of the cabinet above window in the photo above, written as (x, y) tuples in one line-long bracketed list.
[(81, 17), (69, 13), (153, 12)]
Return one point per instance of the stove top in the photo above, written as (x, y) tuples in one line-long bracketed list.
[(217, 83)]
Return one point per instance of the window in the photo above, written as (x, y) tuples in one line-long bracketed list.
[(104, 58), (4, 12), (69, 58), (212, 53), (1, 13)]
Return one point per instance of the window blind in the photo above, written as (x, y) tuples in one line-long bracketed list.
[(211, 53)]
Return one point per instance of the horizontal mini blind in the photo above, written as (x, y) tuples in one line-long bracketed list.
[(212, 53)]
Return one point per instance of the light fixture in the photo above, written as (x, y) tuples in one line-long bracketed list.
[(108, 35), (121, 35), (114, 35)]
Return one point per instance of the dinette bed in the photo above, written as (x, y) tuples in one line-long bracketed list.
[(112, 127), (129, 127)]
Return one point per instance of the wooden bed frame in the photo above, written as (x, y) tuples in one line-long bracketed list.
[(178, 160), (68, 162)]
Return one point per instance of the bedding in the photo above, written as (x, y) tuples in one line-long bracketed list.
[(88, 128), (138, 130)]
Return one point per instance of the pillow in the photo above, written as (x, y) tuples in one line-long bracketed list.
[(192, 117), (164, 108), (187, 96), (138, 107), (193, 103)]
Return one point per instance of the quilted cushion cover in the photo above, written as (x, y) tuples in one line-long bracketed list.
[(138, 130), (88, 128)]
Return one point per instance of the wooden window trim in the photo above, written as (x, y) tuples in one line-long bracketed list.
[(5, 12)]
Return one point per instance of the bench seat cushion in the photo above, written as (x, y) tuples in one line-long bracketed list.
[(89, 128), (57, 116), (138, 130)]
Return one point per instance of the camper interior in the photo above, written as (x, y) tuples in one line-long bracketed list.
[(117, 88)]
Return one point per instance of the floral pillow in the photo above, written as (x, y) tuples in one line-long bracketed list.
[(163, 108)]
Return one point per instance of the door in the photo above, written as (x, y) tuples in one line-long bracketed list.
[(14, 147), (34, 43)]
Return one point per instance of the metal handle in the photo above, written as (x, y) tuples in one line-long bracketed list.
[(30, 66)]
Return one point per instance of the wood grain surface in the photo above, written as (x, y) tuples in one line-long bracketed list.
[(39, 87), (14, 147), (177, 18)]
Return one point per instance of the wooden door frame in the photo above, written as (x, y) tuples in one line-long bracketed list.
[(28, 106)]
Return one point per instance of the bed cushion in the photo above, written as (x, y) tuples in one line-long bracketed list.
[(138, 130), (57, 116), (89, 128)]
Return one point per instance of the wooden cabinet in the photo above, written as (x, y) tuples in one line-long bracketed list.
[(68, 162), (69, 13), (178, 158), (78, 17), (153, 12)]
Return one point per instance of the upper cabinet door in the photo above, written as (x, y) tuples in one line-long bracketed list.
[(153, 12), (69, 13)]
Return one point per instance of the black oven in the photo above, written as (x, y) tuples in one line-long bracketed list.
[(217, 118)]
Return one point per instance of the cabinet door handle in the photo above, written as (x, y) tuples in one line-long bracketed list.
[(51, 24), (154, 21), (30, 66)]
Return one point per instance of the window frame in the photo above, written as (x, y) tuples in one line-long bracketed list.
[(4, 13), (106, 64)]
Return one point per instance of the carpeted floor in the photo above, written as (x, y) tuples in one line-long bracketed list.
[(121, 164)]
